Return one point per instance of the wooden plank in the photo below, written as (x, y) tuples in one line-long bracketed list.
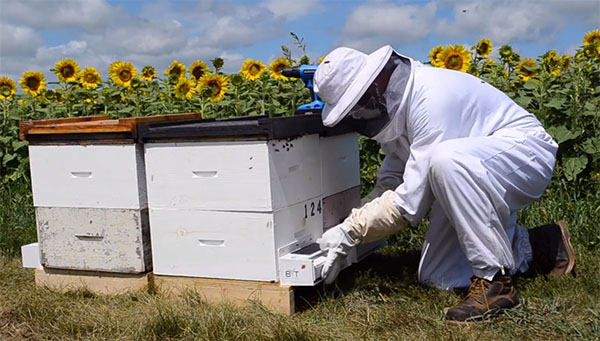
[(80, 129), (271, 295), (24, 126), (96, 124), (97, 282)]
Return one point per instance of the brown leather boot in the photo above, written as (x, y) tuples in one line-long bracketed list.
[(552, 250), (484, 299)]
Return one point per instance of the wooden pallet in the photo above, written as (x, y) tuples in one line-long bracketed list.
[(95, 125), (271, 295), (95, 281)]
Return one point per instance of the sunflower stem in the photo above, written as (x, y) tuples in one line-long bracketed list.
[(33, 107)]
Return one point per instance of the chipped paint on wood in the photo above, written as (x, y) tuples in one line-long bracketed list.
[(95, 239)]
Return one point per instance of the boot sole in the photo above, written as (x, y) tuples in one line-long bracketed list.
[(566, 237)]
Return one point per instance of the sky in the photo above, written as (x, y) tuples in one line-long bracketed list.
[(35, 34)]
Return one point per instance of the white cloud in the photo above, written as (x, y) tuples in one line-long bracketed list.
[(379, 23), (100, 33), (291, 9), (72, 49), (138, 36), (43, 14), (18, 41), (509, 21)]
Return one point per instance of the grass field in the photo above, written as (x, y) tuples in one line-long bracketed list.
[(378, 299)]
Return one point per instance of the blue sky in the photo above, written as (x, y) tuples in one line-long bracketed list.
[(35, 34)]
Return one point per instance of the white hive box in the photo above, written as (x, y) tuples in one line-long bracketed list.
[(230, 198), (226, 244), (340, 177), (88, 176), (233, 175), (89, 193)]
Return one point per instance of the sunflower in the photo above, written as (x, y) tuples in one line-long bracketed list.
[(8, 88), (33, 83), (218, 62), (434, 53), (236, 79), (484, 48), (591, 44), (487, 65), (525, 71), (454, 58), (148, 73), (185, 88), (59, 97), (592, 38), (213, 86), (66, 70), (197, 70), (176, 69), (252, 69), (276, 66), (505, 51), (122, 73), (566, 62), (554, 62), (89, 78)]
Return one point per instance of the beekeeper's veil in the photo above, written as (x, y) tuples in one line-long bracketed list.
[(353, 85)]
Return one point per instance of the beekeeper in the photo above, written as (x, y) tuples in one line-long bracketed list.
[(456, 147)]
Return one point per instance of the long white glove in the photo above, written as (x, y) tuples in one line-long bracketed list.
[(376, 220)]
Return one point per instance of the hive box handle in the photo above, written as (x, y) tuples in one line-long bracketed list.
[(90, 237), (211, 242), (204, 174), (81, 174)]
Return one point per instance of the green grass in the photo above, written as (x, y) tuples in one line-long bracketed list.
[(370, 302), (17, 218), (379, 298)]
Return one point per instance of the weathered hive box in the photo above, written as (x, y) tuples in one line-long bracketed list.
[(89, 192), (236, 193)]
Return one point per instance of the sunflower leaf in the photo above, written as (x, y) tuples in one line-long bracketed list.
[(532, 85), (562, 134), (18, 144), (556, 103), (523, 101), (592, 146), (8, 158), (573, 166)]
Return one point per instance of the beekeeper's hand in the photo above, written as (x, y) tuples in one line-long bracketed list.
[(337, 242), (376, 220)]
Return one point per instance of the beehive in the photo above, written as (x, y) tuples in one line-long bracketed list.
[(235, 192), (89, 192)]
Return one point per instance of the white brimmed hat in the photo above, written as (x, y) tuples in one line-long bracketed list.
[(343, 77)]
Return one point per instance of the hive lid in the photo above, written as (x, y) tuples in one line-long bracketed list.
[(250, 126), (92, 127)]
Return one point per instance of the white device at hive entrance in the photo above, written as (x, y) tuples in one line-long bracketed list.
[(247, 198)]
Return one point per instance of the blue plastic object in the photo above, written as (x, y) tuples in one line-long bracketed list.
[(306, 73)]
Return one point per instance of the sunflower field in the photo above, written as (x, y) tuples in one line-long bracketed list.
[(562, 91)]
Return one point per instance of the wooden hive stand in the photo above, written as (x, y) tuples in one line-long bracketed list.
[(272, 295), (95, 281)]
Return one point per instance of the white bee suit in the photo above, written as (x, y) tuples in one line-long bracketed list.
[(464, 150)]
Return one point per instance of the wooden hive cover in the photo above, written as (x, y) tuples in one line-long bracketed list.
[(92, 127)]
